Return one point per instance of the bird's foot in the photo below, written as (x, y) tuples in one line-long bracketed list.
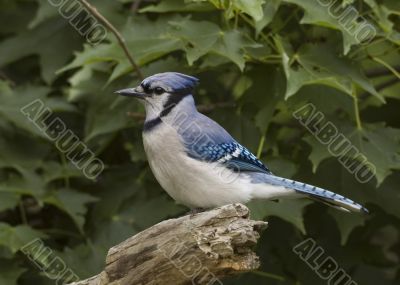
[(195, 211)]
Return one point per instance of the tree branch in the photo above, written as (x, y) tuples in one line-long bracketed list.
[(194, 249), (116, 33)]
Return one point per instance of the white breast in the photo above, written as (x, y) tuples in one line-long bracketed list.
[(189, 181)]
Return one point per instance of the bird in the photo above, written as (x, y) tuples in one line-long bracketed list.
[(198, 163)]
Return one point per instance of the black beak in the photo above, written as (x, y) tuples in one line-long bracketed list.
[(131, 92)]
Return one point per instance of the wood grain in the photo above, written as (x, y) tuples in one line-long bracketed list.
[(194, 249)]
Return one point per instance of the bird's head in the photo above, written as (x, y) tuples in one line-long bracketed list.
[(161, 91)]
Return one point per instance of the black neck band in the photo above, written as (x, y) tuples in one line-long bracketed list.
[(148, 125), (172, 102)]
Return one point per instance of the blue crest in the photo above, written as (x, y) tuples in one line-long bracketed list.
[(171, 81)]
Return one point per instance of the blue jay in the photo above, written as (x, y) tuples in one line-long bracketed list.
[(196, 160)]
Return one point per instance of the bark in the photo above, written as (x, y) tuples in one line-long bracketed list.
[(194, 249)]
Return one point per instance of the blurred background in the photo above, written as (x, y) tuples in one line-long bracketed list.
[(258, 62)]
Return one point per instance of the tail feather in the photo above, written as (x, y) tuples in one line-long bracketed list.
[(330, 198)]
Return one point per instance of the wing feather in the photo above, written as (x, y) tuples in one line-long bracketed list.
[(206, 140)]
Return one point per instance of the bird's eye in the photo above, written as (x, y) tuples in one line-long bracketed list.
[(159, 90)]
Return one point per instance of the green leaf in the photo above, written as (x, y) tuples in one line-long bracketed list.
[(73, 203), (252, 8), (177, 6), (27, 182), (332, 101), (24, 155), (318, 64), (241, 86), (201, 37), (10, 272), (163, 207), (346, 222), (379, 144), (148, 41), (44, 12), (99, 122), (8, 200), (11, 103), (369, 274), (52, 41), (230, 44), (125, 186), (85, 261), (383, 14), (269, 10), (16, 237), (384, 198), (53, 171), (317, 14), (284, 167), (197, 38), (274, 89), (387, 195), (15, 15), (288, 210), (33, 100)]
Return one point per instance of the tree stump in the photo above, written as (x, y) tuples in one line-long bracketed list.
[(193, 249)]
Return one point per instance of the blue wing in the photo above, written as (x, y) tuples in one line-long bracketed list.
[(232, 155), (206, 140)]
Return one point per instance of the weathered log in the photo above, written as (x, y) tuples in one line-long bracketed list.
[(194, 249)]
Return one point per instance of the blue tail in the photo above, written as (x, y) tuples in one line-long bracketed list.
[(332, 199)]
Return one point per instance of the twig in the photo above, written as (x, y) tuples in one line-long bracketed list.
[(135, 6), (117, 34), (387, 65), (382, 86), (269, 275), (356, 109), (22, 212), (381, 71), (136, 115), (260, 146)]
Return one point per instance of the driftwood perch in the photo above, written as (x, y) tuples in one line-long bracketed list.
[(194, 249)]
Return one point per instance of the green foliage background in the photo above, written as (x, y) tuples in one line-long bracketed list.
[(258, 61)]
